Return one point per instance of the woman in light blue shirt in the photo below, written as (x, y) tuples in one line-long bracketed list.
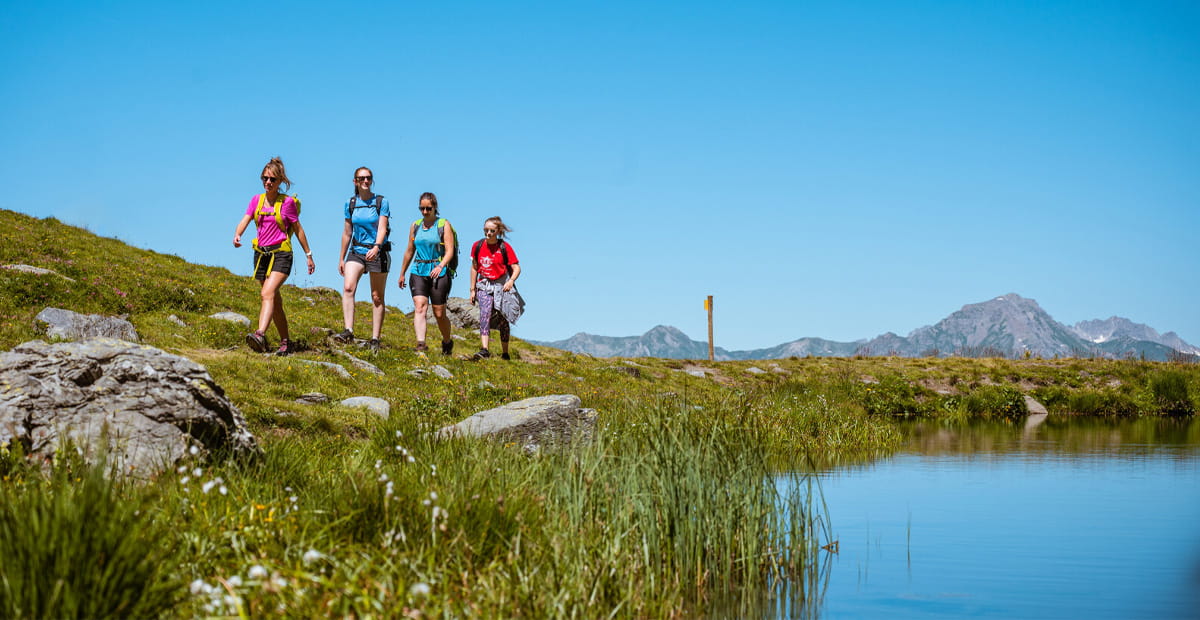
[(431, 243), (365, 247)]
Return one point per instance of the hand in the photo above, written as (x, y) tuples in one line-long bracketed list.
[(508, 285), (372, 253), (237, 241), (400, 282), (437, 270), (311, 265), (472, 297), (342, 267)]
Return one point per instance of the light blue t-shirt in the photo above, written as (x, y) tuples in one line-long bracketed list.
[(364, 222), (426, 243)]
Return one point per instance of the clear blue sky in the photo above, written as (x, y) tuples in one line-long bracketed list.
[(833, 169)]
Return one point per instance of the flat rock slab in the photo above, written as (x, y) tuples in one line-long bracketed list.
[(69, 325), (342, 372), (144, 408), (313, 398), (232, 317), (461, 313), (1034, 407), (531, 422), (37, 271), (360, 364), (375, 405)]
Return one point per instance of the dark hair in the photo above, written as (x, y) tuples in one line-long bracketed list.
[(356, 177), (432, 201), (275, 166), (501, 227)]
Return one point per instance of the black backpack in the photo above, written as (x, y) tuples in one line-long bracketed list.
[(376, 204)]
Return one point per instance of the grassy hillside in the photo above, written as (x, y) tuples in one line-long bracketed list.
[(663, 514)]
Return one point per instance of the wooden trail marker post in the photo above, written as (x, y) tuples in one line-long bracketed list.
[(708, 306)]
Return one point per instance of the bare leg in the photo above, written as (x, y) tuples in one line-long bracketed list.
[(443, 321), (420, 307), (353, 271), (272, 305), (378, 286)]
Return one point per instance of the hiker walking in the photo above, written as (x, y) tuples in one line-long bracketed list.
[(494, 273), (365, 247), (276, 218), (432, 241)]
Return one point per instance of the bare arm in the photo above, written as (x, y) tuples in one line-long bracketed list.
[(380, 235), (512, 280), (408, 256), (241, 228), (347, 230)]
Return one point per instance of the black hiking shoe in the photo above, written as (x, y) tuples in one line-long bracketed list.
[(257, 342), (344, 337), (447, 347), (373, 345), (482, 355), (285, 347), (504, 356)]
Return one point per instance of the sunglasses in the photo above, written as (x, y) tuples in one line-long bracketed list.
[(362, 178), (489, 230), (424, 209), (267, 179)]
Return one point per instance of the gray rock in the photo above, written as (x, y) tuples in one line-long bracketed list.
[(458, 337), (418, 373), (309, 300), (69, 325), (342, 372), (176, 320), (360, 364), (232, 317), (1035, 408), (313, 398), (695, 372), (779, 369), (377, 406), (461, 313), (142, 408), (441, 371), (39, 271), (485, 384), (755, 370), (532, 422), (625, 370)]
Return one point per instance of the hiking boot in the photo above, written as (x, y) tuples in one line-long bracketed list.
[(344, 337), (421, 348), (257, 341), (482, 355), (285, 347), (373, 345), (447, 347), (504, 356)]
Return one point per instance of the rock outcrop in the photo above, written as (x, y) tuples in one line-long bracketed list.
[(532, 422), (69, 325), (461, 313), (142, 408)]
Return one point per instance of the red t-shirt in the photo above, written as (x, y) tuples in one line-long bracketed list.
[(491, 261)]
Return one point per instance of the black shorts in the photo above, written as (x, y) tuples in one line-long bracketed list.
[(424, 286), (263, 262), (381, 264)]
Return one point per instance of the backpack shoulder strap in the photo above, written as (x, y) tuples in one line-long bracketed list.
[(378, 203), (475, 251), (353, 204)]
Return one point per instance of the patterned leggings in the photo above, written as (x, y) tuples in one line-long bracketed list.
[(490, 317)]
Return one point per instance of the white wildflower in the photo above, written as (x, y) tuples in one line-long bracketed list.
[(383, 477), (197, 472), (182, 469), (256, 572), (312, 556), (207, 486), (193, 450), (235, 581), (223, 490), (433, 495), (419, 590), (198, 587), (184, 480), (411, 459)]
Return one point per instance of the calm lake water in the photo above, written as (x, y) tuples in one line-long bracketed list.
[(1072, 518)]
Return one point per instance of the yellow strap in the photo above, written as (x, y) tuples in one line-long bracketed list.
[(258, 214)]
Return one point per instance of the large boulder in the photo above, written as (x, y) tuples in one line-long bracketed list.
[(533, 422), (69, 325), (143, 408), (461, 313)]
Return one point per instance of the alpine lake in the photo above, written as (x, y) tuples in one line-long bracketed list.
[(1046, 517)]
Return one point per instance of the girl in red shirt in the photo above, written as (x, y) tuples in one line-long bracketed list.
[(494, 270)]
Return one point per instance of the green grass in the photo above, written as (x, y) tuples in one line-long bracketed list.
[(667, 512)]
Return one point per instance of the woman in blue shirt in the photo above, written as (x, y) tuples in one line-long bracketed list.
[(431, 242), (365, 247)]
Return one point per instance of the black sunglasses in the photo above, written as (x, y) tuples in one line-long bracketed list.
[(267, 178), (425, 208), (362, 178)]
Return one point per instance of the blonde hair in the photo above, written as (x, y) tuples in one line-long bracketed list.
[(501, 227), (275, 167)]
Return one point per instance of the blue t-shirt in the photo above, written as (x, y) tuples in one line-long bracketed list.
[(364, 222), (428, 251)]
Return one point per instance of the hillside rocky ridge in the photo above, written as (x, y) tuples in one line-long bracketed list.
[(1007, 326)]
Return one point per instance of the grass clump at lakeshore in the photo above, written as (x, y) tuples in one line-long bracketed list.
[(656, 516)]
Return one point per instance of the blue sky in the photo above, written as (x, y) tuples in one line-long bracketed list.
[(832, 169)]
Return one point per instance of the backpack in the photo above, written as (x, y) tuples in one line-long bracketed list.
[(386, 246), (441, 227), (286, 246), (503, 251)]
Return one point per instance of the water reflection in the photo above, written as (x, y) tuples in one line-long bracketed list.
[(1063, 517)]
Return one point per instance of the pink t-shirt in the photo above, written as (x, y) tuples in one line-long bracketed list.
[(268, 230)]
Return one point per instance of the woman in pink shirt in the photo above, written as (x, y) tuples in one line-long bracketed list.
[(276, 218)]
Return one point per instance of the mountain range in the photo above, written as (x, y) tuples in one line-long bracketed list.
[(1006, 326)]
